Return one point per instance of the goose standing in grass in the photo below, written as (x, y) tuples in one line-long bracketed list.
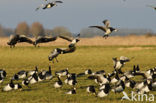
[(104, 92), (48, 74), (59, 83), (91, 89), (44, 39), (17, 86), (20, 75), (88, 71), (9, 86), (48, 5), (33, 79), (73, 91), (107, 29)]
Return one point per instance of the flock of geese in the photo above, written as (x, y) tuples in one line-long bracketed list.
[(115, 81)]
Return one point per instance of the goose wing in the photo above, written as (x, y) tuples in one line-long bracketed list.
[(58, 2), (23, 38), (66, 38), (106, 23), (41, 6), (99, 27), (125, 59)]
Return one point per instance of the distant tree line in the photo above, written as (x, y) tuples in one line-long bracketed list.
[(36, 29)]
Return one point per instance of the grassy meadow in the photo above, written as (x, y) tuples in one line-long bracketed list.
[(85, 57)]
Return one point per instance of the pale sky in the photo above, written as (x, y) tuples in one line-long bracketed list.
[(79, 14)]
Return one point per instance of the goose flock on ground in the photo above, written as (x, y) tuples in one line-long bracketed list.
[(104, 83), (115, 81)]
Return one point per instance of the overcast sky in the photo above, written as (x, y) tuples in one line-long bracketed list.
[(79, 14)]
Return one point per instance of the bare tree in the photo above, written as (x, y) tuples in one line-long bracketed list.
[(60, 30), (22, 29), (37, 29)]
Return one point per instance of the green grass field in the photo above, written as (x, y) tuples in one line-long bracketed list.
[(85, 57)]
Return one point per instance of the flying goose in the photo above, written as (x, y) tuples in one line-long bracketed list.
[(71, 48), (118, 64), (44, 39), (48, 5), (14, 39), (107, 29)]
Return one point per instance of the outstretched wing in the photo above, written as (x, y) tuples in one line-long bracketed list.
[(41, 6), (99, 27), (58, 1), (125, 59), (23, 38), (66, 38), (107, 23)]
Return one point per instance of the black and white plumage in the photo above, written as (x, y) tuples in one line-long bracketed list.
[(91, 89), (48, 5), (58, 84), (146, 88), (130, 83), (17, 86), (88, 71), (63, 72), (20, 75), (115, 79), (9, 86), (73, 91), (33, 79), (31, 72), (119, 87), (1, 79), (25, 82), (102, 79), (48, 74), (54, 54), (107, 29), (3, 73), (44, 40), (104, 92), (141, 84), (71, 48), (118, 64), (14, 39), (102, 72)]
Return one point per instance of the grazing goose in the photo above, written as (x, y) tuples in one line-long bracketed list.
[(72, 82), (107, 29), (3, 73), (17, 86), (33, 79), (44, 40), (91, 89), (20, 75), (73, 91), (118, 64), (25, 82), (119, 87), (130, 83), (41, 76), (9, 86), (102, 79), (139, 85), (63, 72), (115, 79), (48, 74), (59, 83), (88, 71), (33, 71), (104, 92), (48, 5)]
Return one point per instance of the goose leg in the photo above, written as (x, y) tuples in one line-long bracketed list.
[(56, 59)]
